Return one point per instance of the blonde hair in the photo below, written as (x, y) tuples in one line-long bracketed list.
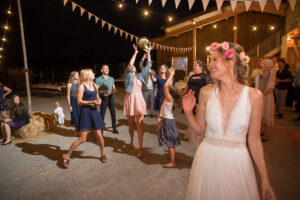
[(57, 104), (71, 77), (85, 75), (240, 66), (268, 62)]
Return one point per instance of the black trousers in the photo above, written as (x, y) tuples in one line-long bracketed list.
[(108, 101)]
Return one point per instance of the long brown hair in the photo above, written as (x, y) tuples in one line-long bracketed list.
[(16, 109), (175, 95), (167, 71)]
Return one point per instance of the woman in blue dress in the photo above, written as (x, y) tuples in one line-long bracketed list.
[(4, 91), (74, 108), (90, 117)]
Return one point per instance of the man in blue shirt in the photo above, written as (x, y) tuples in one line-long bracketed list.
[(106, 85)]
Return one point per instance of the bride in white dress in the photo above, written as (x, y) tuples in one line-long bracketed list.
[(229, 115)]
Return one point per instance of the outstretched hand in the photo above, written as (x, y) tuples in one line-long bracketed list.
[(172, 71), (150, 47), (189, 102), (135, 49)]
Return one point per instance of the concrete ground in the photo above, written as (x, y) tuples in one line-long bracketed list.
[(33, 169)]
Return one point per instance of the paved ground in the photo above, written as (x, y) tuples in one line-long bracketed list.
[(33, 169)]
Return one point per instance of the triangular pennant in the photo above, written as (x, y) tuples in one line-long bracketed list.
[(163, 2), (292, 4), (262, 4), (277, 3), (136, 39), (205, 3), (81, 11), (219, 4), (136, 1), (247, 4), (109, 26), (233, 4), (126, 35), (102, 23), (191, 3), (177, 2), (150, 1), (96, 19), (90, 15), (73, 6), (115, 30), (65, 2), (121, 32), (131, 37)]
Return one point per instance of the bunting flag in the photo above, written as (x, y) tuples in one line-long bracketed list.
[(191, 3), (90, 15), (219, 4), (277, 3), (177, 3), (247, 4), (233, 4), (132, 37), (96, 19), (150, 1), (81, 11), (292, 4), (262, 4), (136, 1), (205, 4), (73, 6), (163, 2)]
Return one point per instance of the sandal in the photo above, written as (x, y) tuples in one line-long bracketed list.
[(5, 143), (103, 159), (140, 154), (169, 165), (66, 162)]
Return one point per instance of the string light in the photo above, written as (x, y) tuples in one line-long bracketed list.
[(5, 27), (146, 12), (289, 38), (170, 19), (1, 49), (215, 26), (9, 12), (272, 28), (120, 5), (234, 28), (194, 22), (3, 39), (254, 28)]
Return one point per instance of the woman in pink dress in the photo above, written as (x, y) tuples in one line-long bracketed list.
[(228, 116), (134, 103)]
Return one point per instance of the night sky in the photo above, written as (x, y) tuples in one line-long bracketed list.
[(57, 37)]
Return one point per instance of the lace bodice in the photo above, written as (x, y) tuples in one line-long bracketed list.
[(238, 122)]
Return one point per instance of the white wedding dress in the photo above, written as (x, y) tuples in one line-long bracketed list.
[(222, 167)]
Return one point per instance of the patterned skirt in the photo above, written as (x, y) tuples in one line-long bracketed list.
[(168, 134)]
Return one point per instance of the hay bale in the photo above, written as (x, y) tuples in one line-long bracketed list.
[(39, 122)]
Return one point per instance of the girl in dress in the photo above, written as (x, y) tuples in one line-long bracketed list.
[(90, 117), (4, 91), (134, 103), (228, 112), (265, 82), (198, 78), (19, 118), (74, 108), (168, 135), (160, 79)]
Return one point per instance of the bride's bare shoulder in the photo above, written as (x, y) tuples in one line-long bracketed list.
[(255, 95), (207, 90)]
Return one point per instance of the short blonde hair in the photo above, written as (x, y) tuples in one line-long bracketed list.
[(269, 63), (57, 104), (85, 75)]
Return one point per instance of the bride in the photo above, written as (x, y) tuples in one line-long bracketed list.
[(229, 115)]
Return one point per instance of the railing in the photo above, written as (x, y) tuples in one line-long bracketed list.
[(269, 44)]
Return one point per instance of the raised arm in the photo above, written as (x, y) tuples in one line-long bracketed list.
[(132, 60), (8, 90), (148, 66), (141, 64), (168, 96), (68, 95), (189, 102), (254, 141)]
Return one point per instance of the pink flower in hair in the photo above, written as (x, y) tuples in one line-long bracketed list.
[(242, 56), (214, 46), (229, 54), (225, 46)]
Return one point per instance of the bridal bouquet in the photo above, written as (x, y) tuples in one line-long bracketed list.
[(143, 44)]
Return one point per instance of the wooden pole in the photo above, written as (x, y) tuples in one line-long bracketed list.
[(25, 58), (235, 31)]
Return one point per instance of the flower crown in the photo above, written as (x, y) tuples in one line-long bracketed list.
[(229, 53)]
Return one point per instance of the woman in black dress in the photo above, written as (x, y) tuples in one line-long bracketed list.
[(198, 78)]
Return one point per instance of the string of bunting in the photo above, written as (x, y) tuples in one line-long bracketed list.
[(132, 37), (6, 27), (262, 3)]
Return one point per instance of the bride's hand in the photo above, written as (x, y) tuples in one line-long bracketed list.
[(267, 192), (189, 102)]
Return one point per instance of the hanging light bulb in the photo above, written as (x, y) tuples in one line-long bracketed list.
[(120, 5), (170, 19), (272, 28), (3, 39), (254, 28), (9, 12), (0, 56), (146, 13), (215, 26), (194, 22), (1, 49), (6, 27), (234, 28)]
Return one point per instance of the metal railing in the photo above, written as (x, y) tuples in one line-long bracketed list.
[(269, 44)]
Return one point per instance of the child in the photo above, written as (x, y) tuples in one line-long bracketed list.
[(168, 135), (59, 113)]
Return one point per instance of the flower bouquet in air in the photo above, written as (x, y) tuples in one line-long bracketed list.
[(143, 44)]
